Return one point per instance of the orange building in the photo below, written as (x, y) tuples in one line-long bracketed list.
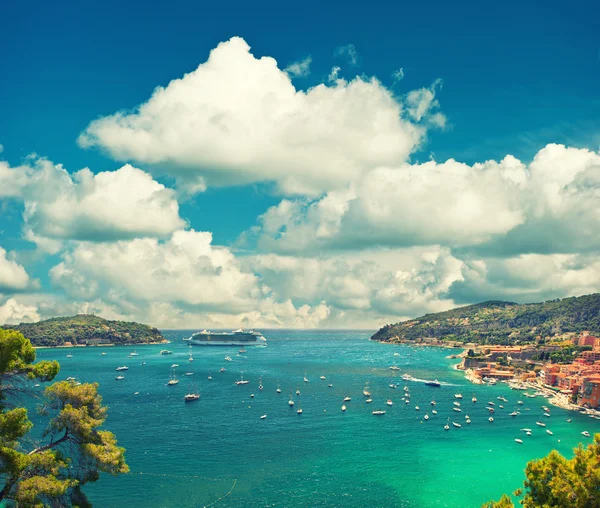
[(587, 340), (590, 392), (591, 356)]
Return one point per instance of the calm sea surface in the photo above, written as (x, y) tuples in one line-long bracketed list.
[(190, 455)]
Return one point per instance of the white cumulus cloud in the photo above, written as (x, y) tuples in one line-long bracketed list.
[(238, 119), (13, 276), (13, 312)]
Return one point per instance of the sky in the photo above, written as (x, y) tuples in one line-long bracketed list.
[(215, 165)]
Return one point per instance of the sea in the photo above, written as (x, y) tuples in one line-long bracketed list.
[(218, 451)]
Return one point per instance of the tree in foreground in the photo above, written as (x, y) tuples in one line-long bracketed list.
[(554, 481), (71, 451)]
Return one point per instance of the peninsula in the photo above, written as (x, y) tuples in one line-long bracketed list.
[(552, 346), (87, 330)]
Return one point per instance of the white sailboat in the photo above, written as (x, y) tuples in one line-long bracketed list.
[(172, 379)]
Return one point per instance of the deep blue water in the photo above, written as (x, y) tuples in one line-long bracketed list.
[(190, 455)]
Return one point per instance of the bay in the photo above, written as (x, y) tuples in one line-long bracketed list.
[(218, 451)]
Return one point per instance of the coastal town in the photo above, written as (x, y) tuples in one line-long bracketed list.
[(570, 382)]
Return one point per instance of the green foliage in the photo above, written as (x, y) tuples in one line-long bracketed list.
[(555, 481), (74, 449), (86, 329), (503, 323), (504, 502)]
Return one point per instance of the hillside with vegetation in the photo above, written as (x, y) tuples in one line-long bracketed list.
[(86, 329), (496, 322)]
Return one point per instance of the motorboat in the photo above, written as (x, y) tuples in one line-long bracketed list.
[(119, 369), (119, 378), (189, 373), (378, 412), (222, 369), (433, 402), (457, 404), (368, 401), (457, 409), (514, 413), (426, 417), (549, 432), (457, 424), (540, 424), (263, 417), (490, 419), (190, 397), (393, 367), (69, 355), (322, 377), (474, 399), (417, 408), (343, 408), (447, 426), (174, 365), (389, 402), (297, 392), (435, 383), (228, 358), (458, 396), (433, 411), (347, 399), (585, 433), (520, 441), (165, 352)]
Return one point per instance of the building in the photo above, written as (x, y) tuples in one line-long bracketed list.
[(589, 394), (590, 356)]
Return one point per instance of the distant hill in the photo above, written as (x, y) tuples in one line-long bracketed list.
[(86, 329), (496, 322)]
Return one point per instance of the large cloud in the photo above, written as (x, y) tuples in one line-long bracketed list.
[(13, 276), (13, 312), (507, 207), (238, 119), (110, 205)]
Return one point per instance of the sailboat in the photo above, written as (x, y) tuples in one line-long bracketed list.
[(172, 379), (242, 381), (191, 358), (291, 401), (260, 385), (192, 396), (278, 387), (366, 391), (447, 426), (305, 378)]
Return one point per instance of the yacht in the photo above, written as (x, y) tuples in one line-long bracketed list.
[(172, 380), (458, 396), (119, 378), (585, 433), (393, 367), (166, 352), (407, 377), (190, 397), (434, 383), (378, 412), (174, 365), (236, 338), (366, 392), (189, 373), (457, 404), (457, 409), (242, 381), (134, 353), (491, 403), (119, 369)]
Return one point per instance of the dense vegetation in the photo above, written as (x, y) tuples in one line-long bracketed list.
[(49, 468), (560, 482), (506, 323), (86, 329)]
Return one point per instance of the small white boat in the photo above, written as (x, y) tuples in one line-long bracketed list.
[(323, 377), (393, 386), (278, 389), (228, 358), (209, 378), (190, 397), (474, 399), (299, 411), (260, 385), (242, 381), (368, 401), (457, 404), (242, 351), (36, 385), (519, 441), (347, 399), (69, 355), (389, 402), (433, 411), (447, 426), (251, 395), (526, 430), (222, 369), (290, 402), (501, 407), (569, 420), (540, 424), (417, 408), (143, 363), (174, 365), (136, 393), (165, 352), (305, 378), (528, 433), (514, 413), (467, 417), (119, 378), (426, 417), (297, 392), (118, 369), (490, 419), (549, 432), (103, 354), (263, 417), (71, 379), (585, 433), (468, 421), (458, 396), (457, 424), (343, 408), (329, 385), (378, 412), (491, 403), (189, 373), (520, 402), (547, 415), (134, 354), (457, 409), (433, 402), (393, 367)]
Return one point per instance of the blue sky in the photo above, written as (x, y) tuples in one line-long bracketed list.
[(479, 82)]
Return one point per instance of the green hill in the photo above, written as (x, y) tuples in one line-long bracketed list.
[(506, 323), (86, 329)]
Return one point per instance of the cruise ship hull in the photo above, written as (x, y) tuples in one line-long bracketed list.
[(227, 339)]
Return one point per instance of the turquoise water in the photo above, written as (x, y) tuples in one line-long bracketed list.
[(190, 455)]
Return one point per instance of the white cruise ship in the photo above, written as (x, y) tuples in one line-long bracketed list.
[(239, 337)]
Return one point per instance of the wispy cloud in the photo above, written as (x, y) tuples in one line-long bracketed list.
[(300, 68), (348, 52), (398, 75)]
